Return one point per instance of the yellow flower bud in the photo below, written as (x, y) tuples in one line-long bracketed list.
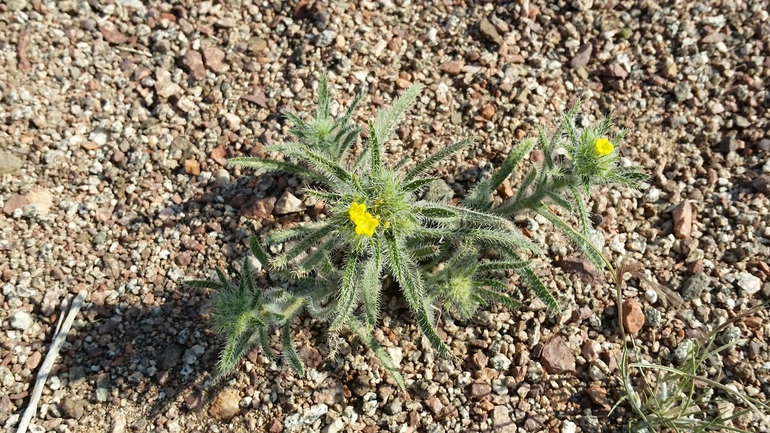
[(604, 146)]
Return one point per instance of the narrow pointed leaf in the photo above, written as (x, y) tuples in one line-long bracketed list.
[(426, 164), (323, 98), (387, 120), (376, 151), (264, 342), (290, 351), (482, 193), (328, 166), (283, 167), (305, 244), (500, 298), (588, 248), (381, 354), (371, 285), (581, 210), (345, 300), (419, 183), (531, 280), (408, 278), (292, 233), (222, 277), (204, 284)]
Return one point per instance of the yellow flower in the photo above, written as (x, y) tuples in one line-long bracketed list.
[(604, 147), (364, 221)]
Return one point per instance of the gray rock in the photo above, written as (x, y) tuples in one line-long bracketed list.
[(764, 145), (287, 204), (72, 408), (582, 56), (305, 418), (325, 38), (654, 318), (683, 91), (6, 377), (501, 420), (192, 354), (169, 357), (694, 286), (394, 407), (730, 335), (590, 424), (77, 376), (500, 362), (222, 177), (748, 283), (16, 5), (490, 31), (682, 352), (335, 426), (102, 387), (728, 144), (438, 191), (9, 163), (582, 5), (21, 320)]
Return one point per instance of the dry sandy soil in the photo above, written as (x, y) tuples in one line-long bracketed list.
[(116, 119)]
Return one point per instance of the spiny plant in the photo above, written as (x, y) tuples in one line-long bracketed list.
[(376, 226), (574, 160)]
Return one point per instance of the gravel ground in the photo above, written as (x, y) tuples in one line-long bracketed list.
[(116, 119)]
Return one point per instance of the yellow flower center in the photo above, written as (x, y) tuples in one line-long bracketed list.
[(604, 146), (364, 221)]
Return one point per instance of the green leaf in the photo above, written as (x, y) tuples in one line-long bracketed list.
[(630, 177), (305, 244), (345, 139), (408, 278), (434, 210), (230, 355), (402, 162), (588, 248), (283, 167), (497, 285), (222, 277), (290, 351), (581, 210), (559, 200), (257, 251), (501, 238), (349, 113), (345, 300), (500, 298), (386, 120), (285, 147), (381, 354), (204, 284), (323, 195), (324, 251), (371, 284), (417, 184), (485, 218), (498, 266), (328, 166), (531, 280), (296, 120), (264, 342), (436, 157), (481, 195), (376, 151), (323, 98), (292, 233)]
